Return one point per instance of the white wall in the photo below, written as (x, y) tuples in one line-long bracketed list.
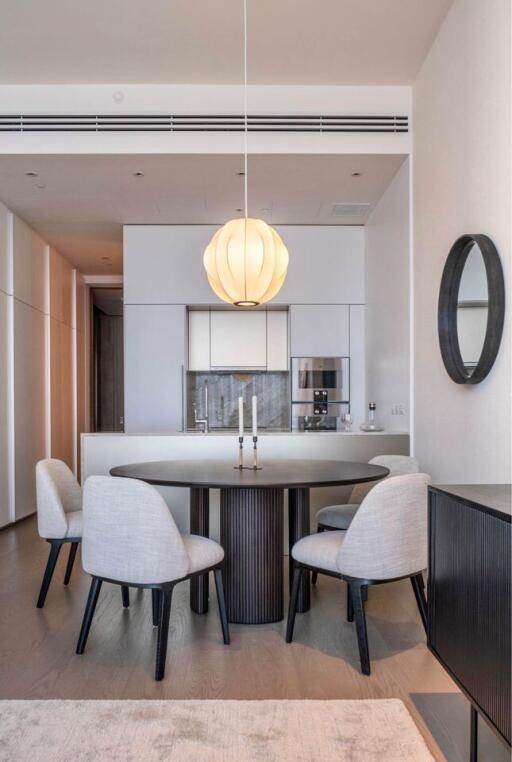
[(387, 303), (163, 264), (462, 184)]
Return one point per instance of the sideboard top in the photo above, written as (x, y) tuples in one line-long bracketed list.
[(496, 498)]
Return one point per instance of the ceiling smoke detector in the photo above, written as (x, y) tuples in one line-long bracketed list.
[(349, 210)]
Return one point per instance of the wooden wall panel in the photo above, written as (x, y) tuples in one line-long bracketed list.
[(61, 288), (61, 392), (30, 266), (29, 402)]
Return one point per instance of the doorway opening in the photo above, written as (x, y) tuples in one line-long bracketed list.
[(107, 398)]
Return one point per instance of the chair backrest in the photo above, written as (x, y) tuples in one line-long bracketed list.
[(129, 534), (397, 465), (58, 493), (387, 537)]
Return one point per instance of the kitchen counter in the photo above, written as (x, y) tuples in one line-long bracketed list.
[(103, 451)]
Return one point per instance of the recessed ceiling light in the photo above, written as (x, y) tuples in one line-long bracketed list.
[(31, 174), (356, 174), (40, 186), (138, 174)]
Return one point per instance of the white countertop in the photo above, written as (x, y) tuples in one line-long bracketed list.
[(248, 435)]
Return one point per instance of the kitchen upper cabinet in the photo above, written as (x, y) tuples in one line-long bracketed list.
[(238, 339), (277, 340), (319, 330), (229, 339), (199, 340)]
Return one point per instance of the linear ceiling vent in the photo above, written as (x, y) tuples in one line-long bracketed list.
[(349, 210), (203, 123)]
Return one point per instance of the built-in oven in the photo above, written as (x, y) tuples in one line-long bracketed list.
[(320, 393)]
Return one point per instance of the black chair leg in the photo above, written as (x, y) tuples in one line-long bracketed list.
[(90, 607), (350, 606), (48, 572), (125, 592), (222, 605), (163, 633), (71, 560), (362, 635), (294, 598), (314, 575), (419, 587), (156, 600)]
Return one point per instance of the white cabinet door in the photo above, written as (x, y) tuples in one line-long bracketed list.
[(153, 365), (319, 330), (238, 339), (277, 340), (199, 340)]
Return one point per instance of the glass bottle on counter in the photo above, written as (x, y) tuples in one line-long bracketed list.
[(371, 424)]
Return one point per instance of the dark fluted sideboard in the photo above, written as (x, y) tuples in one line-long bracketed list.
[(469, 592)]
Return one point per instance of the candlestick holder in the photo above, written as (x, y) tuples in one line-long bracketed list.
[(240, 454), (255, 466)]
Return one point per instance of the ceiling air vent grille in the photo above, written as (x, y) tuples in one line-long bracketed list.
[(203, 123), (349, 210)]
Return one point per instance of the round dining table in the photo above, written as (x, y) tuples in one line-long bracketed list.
[(252, 522)]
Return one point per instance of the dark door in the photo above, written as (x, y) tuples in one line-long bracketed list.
[(108, 372)]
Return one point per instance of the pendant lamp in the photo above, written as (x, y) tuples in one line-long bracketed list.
[(246, 261)]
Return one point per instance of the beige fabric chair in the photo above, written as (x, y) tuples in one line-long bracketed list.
[(340, 516), (130, 538), (59, 516), (386, 541)]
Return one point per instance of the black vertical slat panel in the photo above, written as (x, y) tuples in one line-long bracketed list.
[(469, 602), (251, 527), (199, 524)]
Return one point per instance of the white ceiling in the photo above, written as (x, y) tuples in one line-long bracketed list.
[(79, 203), (354, 42)]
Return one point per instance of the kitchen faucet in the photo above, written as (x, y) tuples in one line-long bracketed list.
[(203, 421)]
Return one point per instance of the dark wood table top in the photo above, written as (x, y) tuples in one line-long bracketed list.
[(279, 474)]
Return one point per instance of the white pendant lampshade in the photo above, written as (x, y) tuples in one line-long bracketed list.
[(246, 262)]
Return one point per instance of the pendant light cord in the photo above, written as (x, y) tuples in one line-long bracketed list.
[(245, 109)]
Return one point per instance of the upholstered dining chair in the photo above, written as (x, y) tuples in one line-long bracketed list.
[(334, 517), (59, 516), (130, 538), (385, 541), (59, 519)]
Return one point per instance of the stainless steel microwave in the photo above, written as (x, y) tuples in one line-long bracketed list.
[(320, 379)]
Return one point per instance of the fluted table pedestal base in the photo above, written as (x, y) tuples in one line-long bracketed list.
[(251, 529)]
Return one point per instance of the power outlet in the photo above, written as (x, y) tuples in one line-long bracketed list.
[(398, 409)]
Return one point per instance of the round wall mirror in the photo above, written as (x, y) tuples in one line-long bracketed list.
[(471, 309)]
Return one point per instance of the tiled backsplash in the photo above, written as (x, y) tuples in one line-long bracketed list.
[(224, 388)]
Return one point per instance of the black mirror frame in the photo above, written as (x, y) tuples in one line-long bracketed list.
[(447, 309)]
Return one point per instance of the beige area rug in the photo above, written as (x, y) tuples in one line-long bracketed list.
[(231, 731)]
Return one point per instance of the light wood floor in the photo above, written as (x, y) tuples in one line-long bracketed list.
[(37, 658)]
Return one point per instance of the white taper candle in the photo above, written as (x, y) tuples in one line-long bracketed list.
[(240, 416), (254, 416)]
